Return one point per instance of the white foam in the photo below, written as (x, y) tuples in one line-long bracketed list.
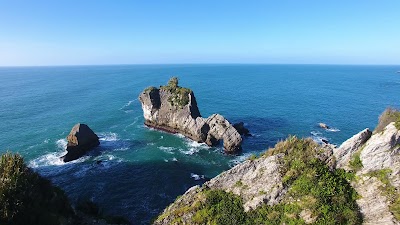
[(108, 136), (196, 176), (128, 104), (193, 147), (315, 133), (180, 135), (169, 150), (62, 144), (333, 130), (46, 141), (239, 159), (174, 159)]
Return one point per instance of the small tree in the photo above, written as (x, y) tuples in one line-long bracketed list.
[(173, 82)]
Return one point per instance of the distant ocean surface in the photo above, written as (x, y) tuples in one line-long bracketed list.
[(142, 170)]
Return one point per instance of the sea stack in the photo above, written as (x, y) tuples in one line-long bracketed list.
[(174, 109), (81, 139)]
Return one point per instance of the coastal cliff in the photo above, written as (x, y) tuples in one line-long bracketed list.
[(301, 182), (174, 109)]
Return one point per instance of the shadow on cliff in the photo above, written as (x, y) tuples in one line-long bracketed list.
[(138, 191)]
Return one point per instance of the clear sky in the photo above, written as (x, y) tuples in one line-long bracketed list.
[(79, 32)]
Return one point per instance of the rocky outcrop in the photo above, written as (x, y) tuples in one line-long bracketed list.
[(174, 109), (349, 147), (241, 129), (323, 126), (80, 140), (378, 178)]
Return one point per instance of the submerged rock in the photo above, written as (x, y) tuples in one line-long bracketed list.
[(174, 109), (81, 139), (242, 129), (323, 126)]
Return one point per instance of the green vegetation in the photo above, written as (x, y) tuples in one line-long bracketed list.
[(388, 190), (355, 162), (252, 157), (150, 89), (27, 198), (314, 189), (221, 207), (388, 116), (179, 95)]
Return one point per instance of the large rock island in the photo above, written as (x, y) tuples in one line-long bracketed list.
[(174, 109)]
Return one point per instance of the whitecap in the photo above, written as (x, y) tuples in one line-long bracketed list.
[(332, 130), (128, 104), (108, 136), (169, 150), (180, 135), (196, 176), (239, 159), (46, 141), (193, 147), (315, 133), (174, 159), (62, 144)]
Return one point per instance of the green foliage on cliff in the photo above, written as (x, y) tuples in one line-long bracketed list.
[(150, 89), (392, 195), (355, 162), (388, 116), (315, 191), (27, 198), (179, 95)]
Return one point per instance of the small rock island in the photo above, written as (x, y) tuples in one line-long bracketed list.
[(81, 139), (174, 109)]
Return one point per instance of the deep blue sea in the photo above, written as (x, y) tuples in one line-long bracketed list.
[(143, 170)]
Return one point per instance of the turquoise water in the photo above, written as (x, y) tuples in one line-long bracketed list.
[(143, 170)]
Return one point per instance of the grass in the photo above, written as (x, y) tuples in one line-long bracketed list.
[(388, 190), (356, 163), (27, 198), (388, 116), (325, 194)]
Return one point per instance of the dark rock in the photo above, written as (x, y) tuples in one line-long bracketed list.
[(241, 129), (80, 140), (174, 109)]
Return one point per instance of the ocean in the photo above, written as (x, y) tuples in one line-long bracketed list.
[(136, 172)]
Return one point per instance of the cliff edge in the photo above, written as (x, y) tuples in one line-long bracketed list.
[(174, 109), (301, 182)]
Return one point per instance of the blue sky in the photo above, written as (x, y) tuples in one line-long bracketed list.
[(73, 32)]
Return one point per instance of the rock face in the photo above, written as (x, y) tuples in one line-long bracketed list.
[(349, 147), (241, 129), (379, 155), (80, 140), (174, 109)]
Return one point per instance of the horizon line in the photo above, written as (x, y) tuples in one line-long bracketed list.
[(188, 64)]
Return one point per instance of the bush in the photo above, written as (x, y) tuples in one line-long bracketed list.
[(173, 82), (179, 95), (388, 116), (27, 198)]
